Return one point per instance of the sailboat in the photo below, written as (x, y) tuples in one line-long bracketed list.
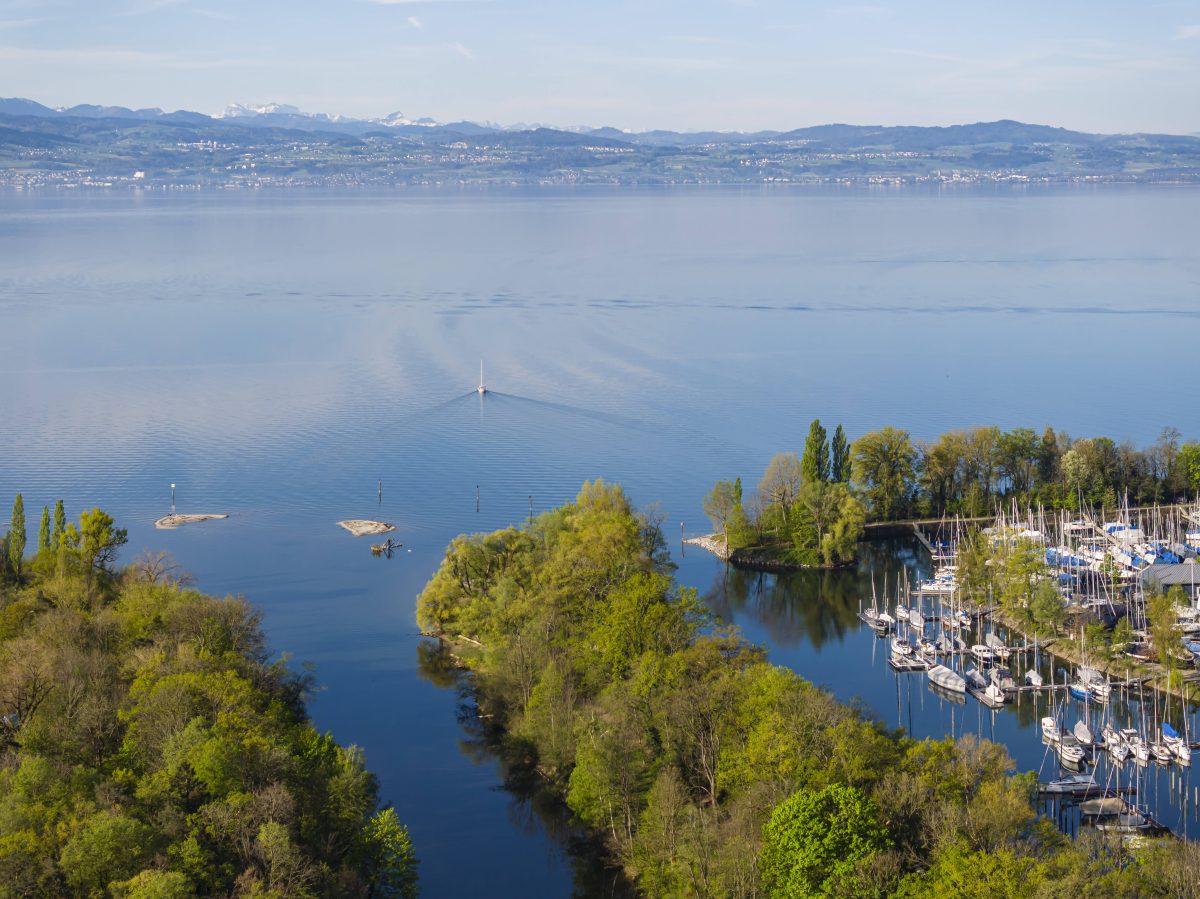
[(482, 388), (1177, 744)]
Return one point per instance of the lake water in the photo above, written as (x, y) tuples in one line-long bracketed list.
[(277, 355)]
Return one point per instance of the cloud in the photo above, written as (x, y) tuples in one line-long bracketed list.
[(1187, 32), (463, 51), (416, 23)]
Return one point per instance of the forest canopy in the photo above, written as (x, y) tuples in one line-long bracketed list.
[(149, 747), (709, 772)]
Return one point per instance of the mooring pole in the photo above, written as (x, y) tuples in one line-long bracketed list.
[(531, 508), (381, 491), (682, 542), (477, 499)]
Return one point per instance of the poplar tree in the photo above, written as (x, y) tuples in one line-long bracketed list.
[(841, 457), (16, 535), (815, 462), (44, 530), (60, 524)]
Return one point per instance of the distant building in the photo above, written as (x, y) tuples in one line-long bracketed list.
[(138, 176), (1186, 575)]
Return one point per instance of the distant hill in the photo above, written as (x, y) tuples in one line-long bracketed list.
[(279, 144)]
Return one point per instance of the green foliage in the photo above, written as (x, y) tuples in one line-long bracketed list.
[(815, 840), (885, 469), (16, 536), (60, 524), (151, 750), (43, 543), (719, 506), (828, 523), (107, 846), (814, 464), (1047, 608), (1163, 625), (839, 463)]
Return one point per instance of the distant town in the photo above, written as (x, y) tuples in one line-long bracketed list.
[(273, 146)]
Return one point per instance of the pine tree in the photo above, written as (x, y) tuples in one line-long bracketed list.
[(60, 524), (814, 464), (16, 535), (44, 530), (841, 457)]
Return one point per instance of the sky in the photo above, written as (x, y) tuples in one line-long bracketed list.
[(1092, 65)]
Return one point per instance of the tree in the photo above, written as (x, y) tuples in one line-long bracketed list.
[(60, 524), (392, 857), (884, 470), (814, 464), (840, 457), (829, 523), (16, 535), (97, 540), (1187, 463), (779, 487), (44, 531), (109, 846), (814, 840), (719, 504)]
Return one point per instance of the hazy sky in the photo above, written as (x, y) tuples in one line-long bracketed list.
[(1095, 65)]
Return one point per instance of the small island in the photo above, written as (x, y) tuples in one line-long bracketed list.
[(172, 521), (804, 515), (362, 527)]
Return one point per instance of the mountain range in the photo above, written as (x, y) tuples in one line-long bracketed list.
[(277, 143)]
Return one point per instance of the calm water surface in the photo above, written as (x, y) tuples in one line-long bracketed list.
[(277, 355)]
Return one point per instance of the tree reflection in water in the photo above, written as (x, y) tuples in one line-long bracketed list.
[(531, 806), (816, 605)]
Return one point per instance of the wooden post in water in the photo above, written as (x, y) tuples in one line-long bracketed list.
[(381, 491), (531, 508), (476, 499)]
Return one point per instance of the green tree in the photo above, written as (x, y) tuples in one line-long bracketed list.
[(60, 524), (1187, 462), (839, 467), (719, 504), (885, 470), (1047, 608), (108, 846), (1163, 623), (391, 857), (16, 535), (97, 541), (43, 543), (814, 464), (815, 839)]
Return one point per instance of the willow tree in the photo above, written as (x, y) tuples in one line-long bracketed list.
[(885, 468)]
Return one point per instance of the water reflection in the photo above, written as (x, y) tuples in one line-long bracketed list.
[(812, 605), (532, 808)]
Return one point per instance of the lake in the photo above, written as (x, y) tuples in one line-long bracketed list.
[(298, 358)]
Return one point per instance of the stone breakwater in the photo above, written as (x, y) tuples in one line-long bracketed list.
[(714, 543)]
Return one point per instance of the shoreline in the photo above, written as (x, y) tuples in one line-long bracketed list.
[(748, 560)]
